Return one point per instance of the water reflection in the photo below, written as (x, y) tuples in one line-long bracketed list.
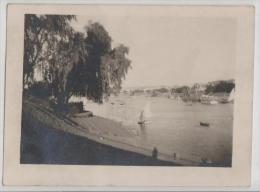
[(173, 127), (142, 132)]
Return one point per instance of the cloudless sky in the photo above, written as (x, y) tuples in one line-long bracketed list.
[(172, 50)]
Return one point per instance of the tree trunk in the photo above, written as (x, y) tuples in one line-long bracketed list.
[(62, 102)]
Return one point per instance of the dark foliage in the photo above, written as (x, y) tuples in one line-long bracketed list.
[(70, 62), (221, 86), (162, 90), (40, 89), (183, 89), (41, 30)]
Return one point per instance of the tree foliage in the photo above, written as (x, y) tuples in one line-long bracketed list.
[(40, 32), (71, 62), (221, 86), (182, 89), (102, 72), (114, 67)]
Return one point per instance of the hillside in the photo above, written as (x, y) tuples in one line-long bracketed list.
[(48, 138)]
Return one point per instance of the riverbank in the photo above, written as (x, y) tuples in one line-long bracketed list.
[(172, 127), (49, 139)]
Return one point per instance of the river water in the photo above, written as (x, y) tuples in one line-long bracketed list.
[(173, 126)]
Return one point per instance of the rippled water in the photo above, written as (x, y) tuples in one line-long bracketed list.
[(173, 126)]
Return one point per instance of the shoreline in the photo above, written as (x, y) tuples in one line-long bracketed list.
[(103, 131), (44, 136), (126, 142)]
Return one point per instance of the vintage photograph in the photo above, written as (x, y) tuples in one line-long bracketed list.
[(133, 90), (100, 95)]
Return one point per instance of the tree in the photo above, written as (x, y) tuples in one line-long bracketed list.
[(69, 55), (42, 31), (220, 86), (114, 67), (103, 69), (73, 63)]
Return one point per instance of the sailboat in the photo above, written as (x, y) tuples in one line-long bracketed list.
[(141, 118), (145, 114), (230, 97), (209, 100)]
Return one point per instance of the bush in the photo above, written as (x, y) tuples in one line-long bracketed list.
[(76, 107), (40, 89), (221, 86)]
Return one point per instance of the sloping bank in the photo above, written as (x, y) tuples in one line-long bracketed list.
[(49, 139)]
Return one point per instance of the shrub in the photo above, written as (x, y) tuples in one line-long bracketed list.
[(40, 89), (75, 107)]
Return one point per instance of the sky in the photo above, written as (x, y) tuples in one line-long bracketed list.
[(167, 51)]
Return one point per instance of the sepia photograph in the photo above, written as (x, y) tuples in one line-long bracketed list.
[(98, 94), (99, 91)]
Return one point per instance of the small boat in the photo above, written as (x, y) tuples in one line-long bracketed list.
[(204, 124), (230, 98), (224, 101), (208, 100), (145, 114), (213, 102), (170, 97), (141, 118), (141, 122)]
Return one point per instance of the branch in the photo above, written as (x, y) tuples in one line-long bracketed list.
[(40, 47)]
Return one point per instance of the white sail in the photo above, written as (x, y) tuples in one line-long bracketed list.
[(231, 95), (141, 117), (146, 113)]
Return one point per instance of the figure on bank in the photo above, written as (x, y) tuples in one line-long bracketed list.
[(155, 153)]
